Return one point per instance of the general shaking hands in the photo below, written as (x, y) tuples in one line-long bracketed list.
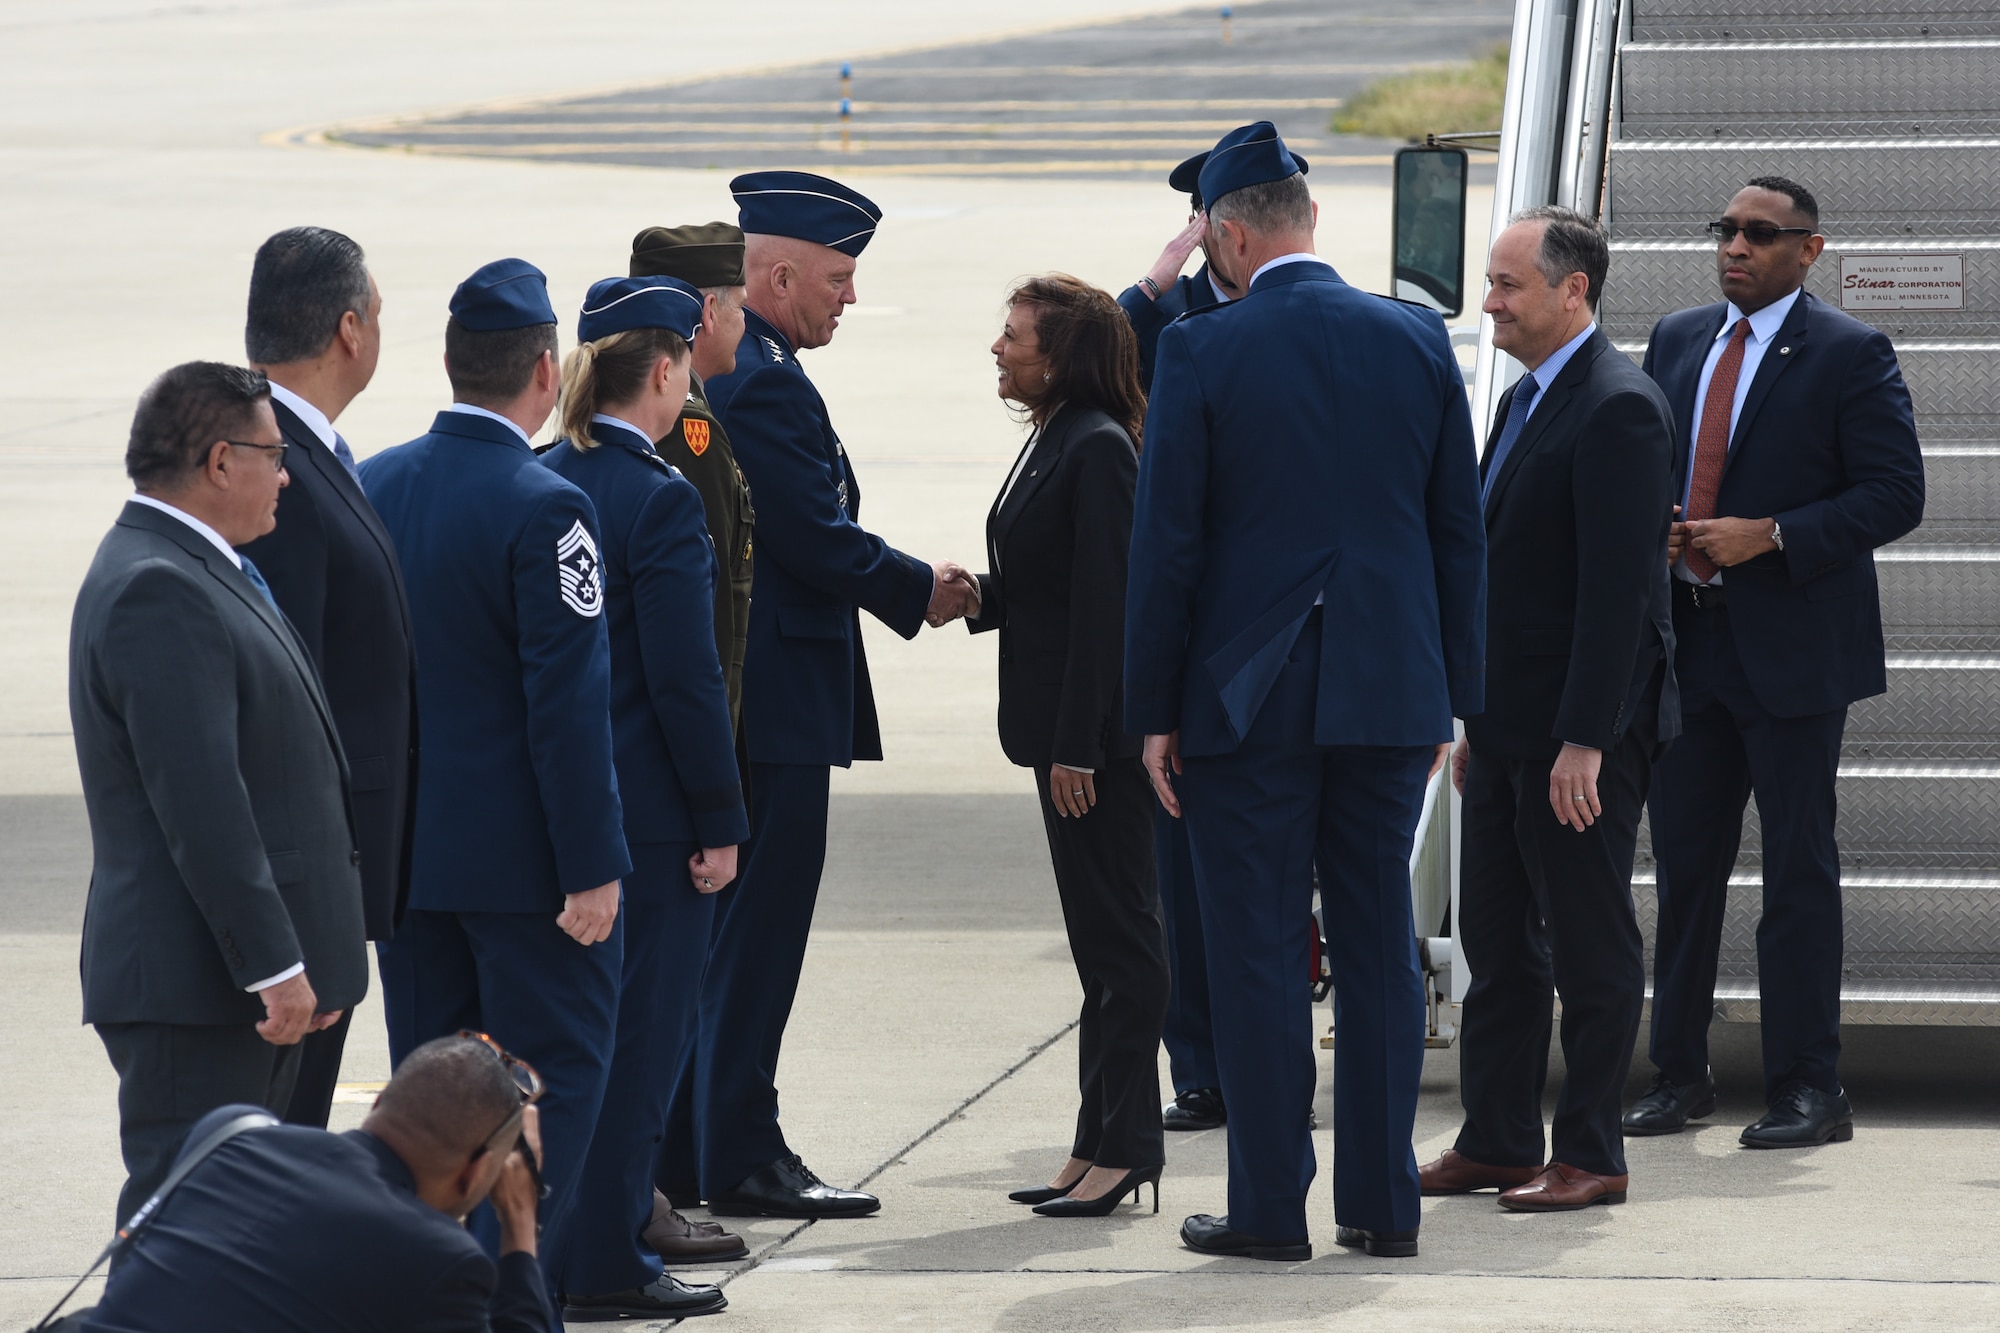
[(954, 594)]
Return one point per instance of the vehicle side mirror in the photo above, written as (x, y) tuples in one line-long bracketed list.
[(1428, 242)]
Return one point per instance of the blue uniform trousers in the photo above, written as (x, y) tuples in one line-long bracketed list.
[(1189, 1036), (1258, 818), (1730, 747), (666, 943), (549, 1000), (725, 1103)]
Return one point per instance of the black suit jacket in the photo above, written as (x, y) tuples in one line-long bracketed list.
[(333, 569), (1057, 546), (1579, 617), (1826, 444), (223, 848), (295, 1230)]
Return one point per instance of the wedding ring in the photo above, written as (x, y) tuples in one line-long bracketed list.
[(1579, 798), (707, 883)]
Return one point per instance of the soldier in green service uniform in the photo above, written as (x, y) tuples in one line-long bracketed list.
[(710, 256)]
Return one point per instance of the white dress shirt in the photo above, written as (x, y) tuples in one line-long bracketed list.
[(214, 539), (470, 410), (1297, 257), (315, 419)]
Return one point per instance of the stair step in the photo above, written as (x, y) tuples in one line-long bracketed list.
[(1847, 20)]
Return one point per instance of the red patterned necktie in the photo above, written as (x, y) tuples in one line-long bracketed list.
[(1711, 443)]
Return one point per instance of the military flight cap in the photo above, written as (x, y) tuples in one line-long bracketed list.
[(1250, 155), (1186, 179), (647, 302), (809, 207), (505, 294), (708, 254)]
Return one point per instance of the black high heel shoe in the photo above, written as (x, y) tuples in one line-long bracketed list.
[(1105, 1203), (1044, 1193)]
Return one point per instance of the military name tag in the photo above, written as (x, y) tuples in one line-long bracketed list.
[(696, 431), (582, 578)]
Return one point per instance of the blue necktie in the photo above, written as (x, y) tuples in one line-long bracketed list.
[(257, 581), (345, 455), (1525, 390)]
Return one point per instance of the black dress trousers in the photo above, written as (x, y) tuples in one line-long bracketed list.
[(1111, 909), (1546, 911)]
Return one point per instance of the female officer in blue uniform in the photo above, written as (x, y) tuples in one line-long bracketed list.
[(623, 387)]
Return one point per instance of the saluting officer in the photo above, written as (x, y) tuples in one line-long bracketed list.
[(1164, 294), (624, 386), (512, 926), (709, 257), (807, 704)]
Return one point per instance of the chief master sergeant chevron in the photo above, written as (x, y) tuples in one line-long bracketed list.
[(513, 925), (807, 705), (1299, 634)]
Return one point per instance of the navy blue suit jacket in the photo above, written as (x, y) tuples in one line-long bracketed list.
[(1150, 316), (1309, 438), (806, 695), (670, 724), (517, 802), (1826, 444), (294, 1230)]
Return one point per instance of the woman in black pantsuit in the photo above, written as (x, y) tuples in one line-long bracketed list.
[(1056, 543)]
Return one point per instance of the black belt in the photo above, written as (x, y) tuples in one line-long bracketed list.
[(1705, 596)]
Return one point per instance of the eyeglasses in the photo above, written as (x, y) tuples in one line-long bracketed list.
[(531, 1088), (278, 449), (1757, 233)]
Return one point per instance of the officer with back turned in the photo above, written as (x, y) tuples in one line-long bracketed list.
[(513, 926)]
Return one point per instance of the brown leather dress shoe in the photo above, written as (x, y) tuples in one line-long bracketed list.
[(678, 1241), (1562, 1189), (1455, 1173)]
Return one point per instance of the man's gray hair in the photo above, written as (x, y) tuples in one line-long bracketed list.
[(1274, 206), (1571, 243)]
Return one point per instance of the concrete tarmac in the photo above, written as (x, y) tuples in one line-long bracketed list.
[(931, 1053)]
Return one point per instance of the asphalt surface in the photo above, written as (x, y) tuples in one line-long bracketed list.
[(1107, 99)]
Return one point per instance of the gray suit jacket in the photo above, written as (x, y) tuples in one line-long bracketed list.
[(217, 792)]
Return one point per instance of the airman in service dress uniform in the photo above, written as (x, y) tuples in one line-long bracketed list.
[(1300, 634), (710, 257), (624, 384), (512, 923), (807, 705)]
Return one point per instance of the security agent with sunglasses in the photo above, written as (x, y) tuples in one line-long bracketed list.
[(513, 924), (1796, 456), (373, 1231)]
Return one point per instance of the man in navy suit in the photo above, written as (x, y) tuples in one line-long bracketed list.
[(372, 1234), (513, 924), (1798, 457), (807, 703), (315, 329), (1303, 621)]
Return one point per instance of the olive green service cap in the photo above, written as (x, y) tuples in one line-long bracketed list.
[(708, 254)]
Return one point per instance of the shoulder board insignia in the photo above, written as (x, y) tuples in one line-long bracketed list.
[(776, 350), (696, 431), (1200, 310), (1429, 309)]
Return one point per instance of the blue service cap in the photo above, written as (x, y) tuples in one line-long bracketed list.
[(1251, 155), (1186, 179), (809, 207), (505, 294), (617, 304)]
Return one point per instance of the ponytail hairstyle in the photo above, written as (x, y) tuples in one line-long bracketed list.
[(1092, 353), (611, 370)]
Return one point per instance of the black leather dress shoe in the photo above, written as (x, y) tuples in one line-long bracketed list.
[(1381, 1244), (667, 1298), (788, 1188), (1211, 1235), (1668, 1106), (1197, 1108), (1801, 1116)]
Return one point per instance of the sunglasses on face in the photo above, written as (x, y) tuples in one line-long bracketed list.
[(1757, 233)]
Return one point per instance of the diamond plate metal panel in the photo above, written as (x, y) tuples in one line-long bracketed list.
[(1939, 706), (1882, 1003), (1770, 90), (1961, 493), (1940, 598), (1651, 278), (1890, 189), (1854, 20)]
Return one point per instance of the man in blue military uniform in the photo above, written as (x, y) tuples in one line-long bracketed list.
[(512, 926), (1299, 635), (807, 704), (623, 389)]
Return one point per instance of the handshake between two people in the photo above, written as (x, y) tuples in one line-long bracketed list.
[(954, 594)]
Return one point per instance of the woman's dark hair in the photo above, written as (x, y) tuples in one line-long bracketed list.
[(1093, 356)]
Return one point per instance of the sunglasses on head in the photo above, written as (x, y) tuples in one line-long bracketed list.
[(530, 1085), (1757, 233)]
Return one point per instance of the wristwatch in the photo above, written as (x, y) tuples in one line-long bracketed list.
[(1777, 535)]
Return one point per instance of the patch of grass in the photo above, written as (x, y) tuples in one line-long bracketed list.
[(1431, 101)]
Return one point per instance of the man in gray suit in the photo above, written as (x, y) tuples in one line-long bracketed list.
[(224, 919)]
